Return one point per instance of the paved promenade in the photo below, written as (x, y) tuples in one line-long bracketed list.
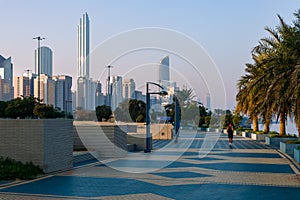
[(248, 170)]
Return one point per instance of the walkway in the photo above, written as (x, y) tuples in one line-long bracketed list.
[(249, 170)]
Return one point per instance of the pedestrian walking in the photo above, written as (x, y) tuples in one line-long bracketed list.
[(230, 134)]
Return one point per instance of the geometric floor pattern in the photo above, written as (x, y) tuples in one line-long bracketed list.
[(248, 170)]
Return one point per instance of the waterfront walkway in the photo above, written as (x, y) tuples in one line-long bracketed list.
[(248, 170)]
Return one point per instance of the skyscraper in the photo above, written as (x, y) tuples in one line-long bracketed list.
[(22, 86), (6, 77), (46, 61), (164, 70), (117, 91), (47, 89), (86, 88), (83, 42), (63, 93), (128, 89)]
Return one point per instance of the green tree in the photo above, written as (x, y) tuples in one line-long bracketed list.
[(44, 111), (137, 110), (103, 112), (21, 107), (3, 106)]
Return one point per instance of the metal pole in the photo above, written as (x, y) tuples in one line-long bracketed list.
[(39, 38), (148, 135), (177, 120), (109, 89)]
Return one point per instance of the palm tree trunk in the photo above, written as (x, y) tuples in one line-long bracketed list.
[(267, 125), (282, 124), (255, 123)]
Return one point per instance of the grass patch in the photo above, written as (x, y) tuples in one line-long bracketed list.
[(11, 169)]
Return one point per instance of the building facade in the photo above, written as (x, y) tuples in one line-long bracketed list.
[(46, 61)]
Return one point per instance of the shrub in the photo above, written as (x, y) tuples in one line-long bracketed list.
[(283, 136), (293, 142), (259, 132), (11, 169)]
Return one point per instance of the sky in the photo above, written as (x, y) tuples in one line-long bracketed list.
[(226, 30)]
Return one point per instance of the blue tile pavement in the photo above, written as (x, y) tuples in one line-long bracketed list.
[(94, 187)]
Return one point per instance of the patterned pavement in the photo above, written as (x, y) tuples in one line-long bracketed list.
[(248, 170)]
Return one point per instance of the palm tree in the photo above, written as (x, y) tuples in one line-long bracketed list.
[(246, 97), (273, 52)]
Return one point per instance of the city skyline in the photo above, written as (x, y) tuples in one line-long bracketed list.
[(228, 41)]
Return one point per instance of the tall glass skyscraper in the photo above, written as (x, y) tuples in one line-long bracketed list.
[(163, 70), (86, 88), (46, 61), (83, 41)]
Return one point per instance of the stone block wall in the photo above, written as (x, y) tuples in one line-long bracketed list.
[(101, 139), (47, 143)]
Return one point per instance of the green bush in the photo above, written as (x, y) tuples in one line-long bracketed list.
[(248, 130), (293, 141), (259, 132), (283, 136), (11, 169)]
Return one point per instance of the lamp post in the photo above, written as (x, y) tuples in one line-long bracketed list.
[(148, 134), (39, 38), (177, 118), (109, 89)]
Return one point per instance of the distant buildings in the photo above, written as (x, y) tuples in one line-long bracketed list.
[(46, 60), (6, 79)]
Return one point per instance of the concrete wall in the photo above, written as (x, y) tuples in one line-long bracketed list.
[(103, 140), (45, 142)]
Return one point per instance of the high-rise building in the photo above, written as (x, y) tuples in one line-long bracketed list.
[(6, 69), (6, 77), (46, 57), (63, 93), (47, 89), (22, 86), (164, 70), (99, 98), (117, 91), (86, 88), (83, 50), (128, 89), (208, 106)]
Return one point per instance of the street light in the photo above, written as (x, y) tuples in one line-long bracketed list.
[(109, 89), (148, 134), (39, 38)]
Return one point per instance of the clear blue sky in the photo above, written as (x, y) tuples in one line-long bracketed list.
[(227, 29)]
